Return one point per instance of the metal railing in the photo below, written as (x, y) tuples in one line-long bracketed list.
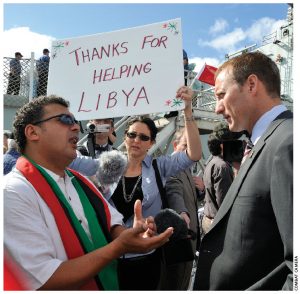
[(29, 84)]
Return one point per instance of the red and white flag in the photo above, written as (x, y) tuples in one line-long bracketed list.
[(207, 74)]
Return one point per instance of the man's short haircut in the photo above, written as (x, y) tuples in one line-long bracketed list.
[(214, 145), (258, 64), (31, 112)]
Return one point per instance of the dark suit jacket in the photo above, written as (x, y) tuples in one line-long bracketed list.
[(217, 178), (182, 196), (250, 244)]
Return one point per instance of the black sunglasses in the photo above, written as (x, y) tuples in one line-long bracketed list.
[(65, 119), (133, 135)]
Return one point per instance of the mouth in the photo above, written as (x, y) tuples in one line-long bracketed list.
[(74, 140), (135, 147), (227, 118)]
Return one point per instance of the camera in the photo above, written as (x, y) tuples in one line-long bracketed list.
[(95, 128)]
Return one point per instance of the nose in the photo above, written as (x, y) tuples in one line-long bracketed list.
[(219, 107), (75, 127), (137, 138)]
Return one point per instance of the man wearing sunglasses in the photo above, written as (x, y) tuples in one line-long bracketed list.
[(57, 225)]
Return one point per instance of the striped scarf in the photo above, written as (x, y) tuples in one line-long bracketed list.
[(74, 238)]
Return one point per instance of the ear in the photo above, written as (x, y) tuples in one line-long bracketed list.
[(252, 83), (175, 145), (32, 132)]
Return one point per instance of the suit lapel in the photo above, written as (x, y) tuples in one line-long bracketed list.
[(238, 181), (191, 181)]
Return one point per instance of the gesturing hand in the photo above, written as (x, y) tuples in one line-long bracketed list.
[(147, 224), (142, 237)]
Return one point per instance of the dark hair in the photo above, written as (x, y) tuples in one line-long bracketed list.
[(258, 64), (214, 145), (31, 112), (222, 132), (147, 121)]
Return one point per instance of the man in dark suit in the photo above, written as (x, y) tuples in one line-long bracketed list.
[(250, 243)]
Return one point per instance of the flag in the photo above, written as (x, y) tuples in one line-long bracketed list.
[(207, 74)]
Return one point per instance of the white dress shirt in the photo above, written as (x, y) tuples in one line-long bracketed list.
[(264, 121), (30, 231)]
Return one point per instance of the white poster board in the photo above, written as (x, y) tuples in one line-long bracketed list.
[(126, 72)]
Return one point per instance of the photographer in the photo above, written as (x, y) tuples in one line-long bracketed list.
[(227, 153), (100, 138)]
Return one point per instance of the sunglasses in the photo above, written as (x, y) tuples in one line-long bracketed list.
[(65, 119), (133, 135)]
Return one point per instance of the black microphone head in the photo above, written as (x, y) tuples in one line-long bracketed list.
[(112, 165), (170, 218)]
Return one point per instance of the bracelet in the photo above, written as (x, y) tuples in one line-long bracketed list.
[(191, 118)]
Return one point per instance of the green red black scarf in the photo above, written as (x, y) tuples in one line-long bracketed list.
[(75, 240)]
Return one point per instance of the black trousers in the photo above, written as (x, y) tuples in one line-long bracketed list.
[(140, 273), (13, 87), (42, 84)]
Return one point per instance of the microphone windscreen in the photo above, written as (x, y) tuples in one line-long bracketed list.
[(112, 165), (170, 218)]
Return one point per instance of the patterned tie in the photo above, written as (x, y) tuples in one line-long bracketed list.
[(247, 150)]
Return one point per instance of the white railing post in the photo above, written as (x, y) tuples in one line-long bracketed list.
[(31, 75)]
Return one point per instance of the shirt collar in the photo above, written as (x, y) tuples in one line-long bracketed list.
[(264, 121), (57, 178)]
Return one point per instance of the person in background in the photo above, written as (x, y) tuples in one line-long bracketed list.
[(6, 135), (102, 132), (217, 178), (181, 193), (142, 271), (10, 157), (100, 139), (14, 80), (185, 66), (42, 67), (250, 243), (57, 225)]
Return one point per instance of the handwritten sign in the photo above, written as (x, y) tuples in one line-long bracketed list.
[(126, 72)]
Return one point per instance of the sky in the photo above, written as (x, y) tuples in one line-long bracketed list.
[(209, 31)]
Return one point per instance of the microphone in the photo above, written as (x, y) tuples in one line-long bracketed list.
[(170, 218), (112, 165)]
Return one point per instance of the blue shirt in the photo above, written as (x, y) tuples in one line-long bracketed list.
[(264, 121), (85, 165), (15, 67), (168, 165), (43, 64), (9, 160)]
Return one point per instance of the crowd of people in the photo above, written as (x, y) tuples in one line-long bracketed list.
[(64, 230)]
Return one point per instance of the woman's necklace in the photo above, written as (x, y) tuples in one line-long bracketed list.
[(127, 197)]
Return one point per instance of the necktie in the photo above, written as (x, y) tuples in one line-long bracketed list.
[(247, 150)]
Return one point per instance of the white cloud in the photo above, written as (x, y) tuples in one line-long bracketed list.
[(239, 38), (22, 39), (263, 27), (226, 42), (219, 26)]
